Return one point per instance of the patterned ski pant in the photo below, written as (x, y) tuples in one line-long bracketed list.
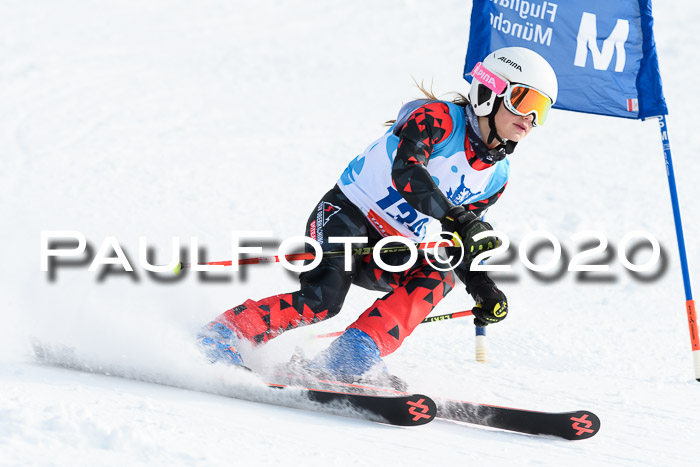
[(411, 294)]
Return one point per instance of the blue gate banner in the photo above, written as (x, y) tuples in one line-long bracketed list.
[(602, 51)]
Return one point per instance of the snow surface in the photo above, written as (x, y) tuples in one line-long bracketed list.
[(192, 119)]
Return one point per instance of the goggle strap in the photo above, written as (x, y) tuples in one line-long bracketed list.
[(489, 79)]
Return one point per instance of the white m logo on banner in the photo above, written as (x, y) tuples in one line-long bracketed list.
[(587, 39)]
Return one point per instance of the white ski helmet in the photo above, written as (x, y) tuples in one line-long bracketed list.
[(516, 65)]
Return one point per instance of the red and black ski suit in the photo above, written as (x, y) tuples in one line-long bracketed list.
[(412, 294)]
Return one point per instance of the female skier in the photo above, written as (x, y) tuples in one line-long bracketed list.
[(443, 161)]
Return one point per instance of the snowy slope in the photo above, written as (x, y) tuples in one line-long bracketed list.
[(192, 119)]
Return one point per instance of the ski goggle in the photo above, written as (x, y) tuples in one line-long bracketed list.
[(525, 100), (520, 99)]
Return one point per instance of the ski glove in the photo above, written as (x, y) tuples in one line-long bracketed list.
[(491, 303), (466, 225)]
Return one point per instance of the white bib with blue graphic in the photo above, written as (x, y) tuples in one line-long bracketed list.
[(367, 180)]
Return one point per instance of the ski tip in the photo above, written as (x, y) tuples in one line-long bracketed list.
[(419, 410), (178, 268), (583, 425), (406, 410)]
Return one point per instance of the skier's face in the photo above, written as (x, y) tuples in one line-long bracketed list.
[(512, 127)]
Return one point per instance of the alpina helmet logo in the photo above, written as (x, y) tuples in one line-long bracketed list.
[(510, 62)]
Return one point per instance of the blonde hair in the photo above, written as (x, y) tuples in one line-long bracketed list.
[(458, 98)]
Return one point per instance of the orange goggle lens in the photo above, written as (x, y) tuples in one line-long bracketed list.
[(525, 100)]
